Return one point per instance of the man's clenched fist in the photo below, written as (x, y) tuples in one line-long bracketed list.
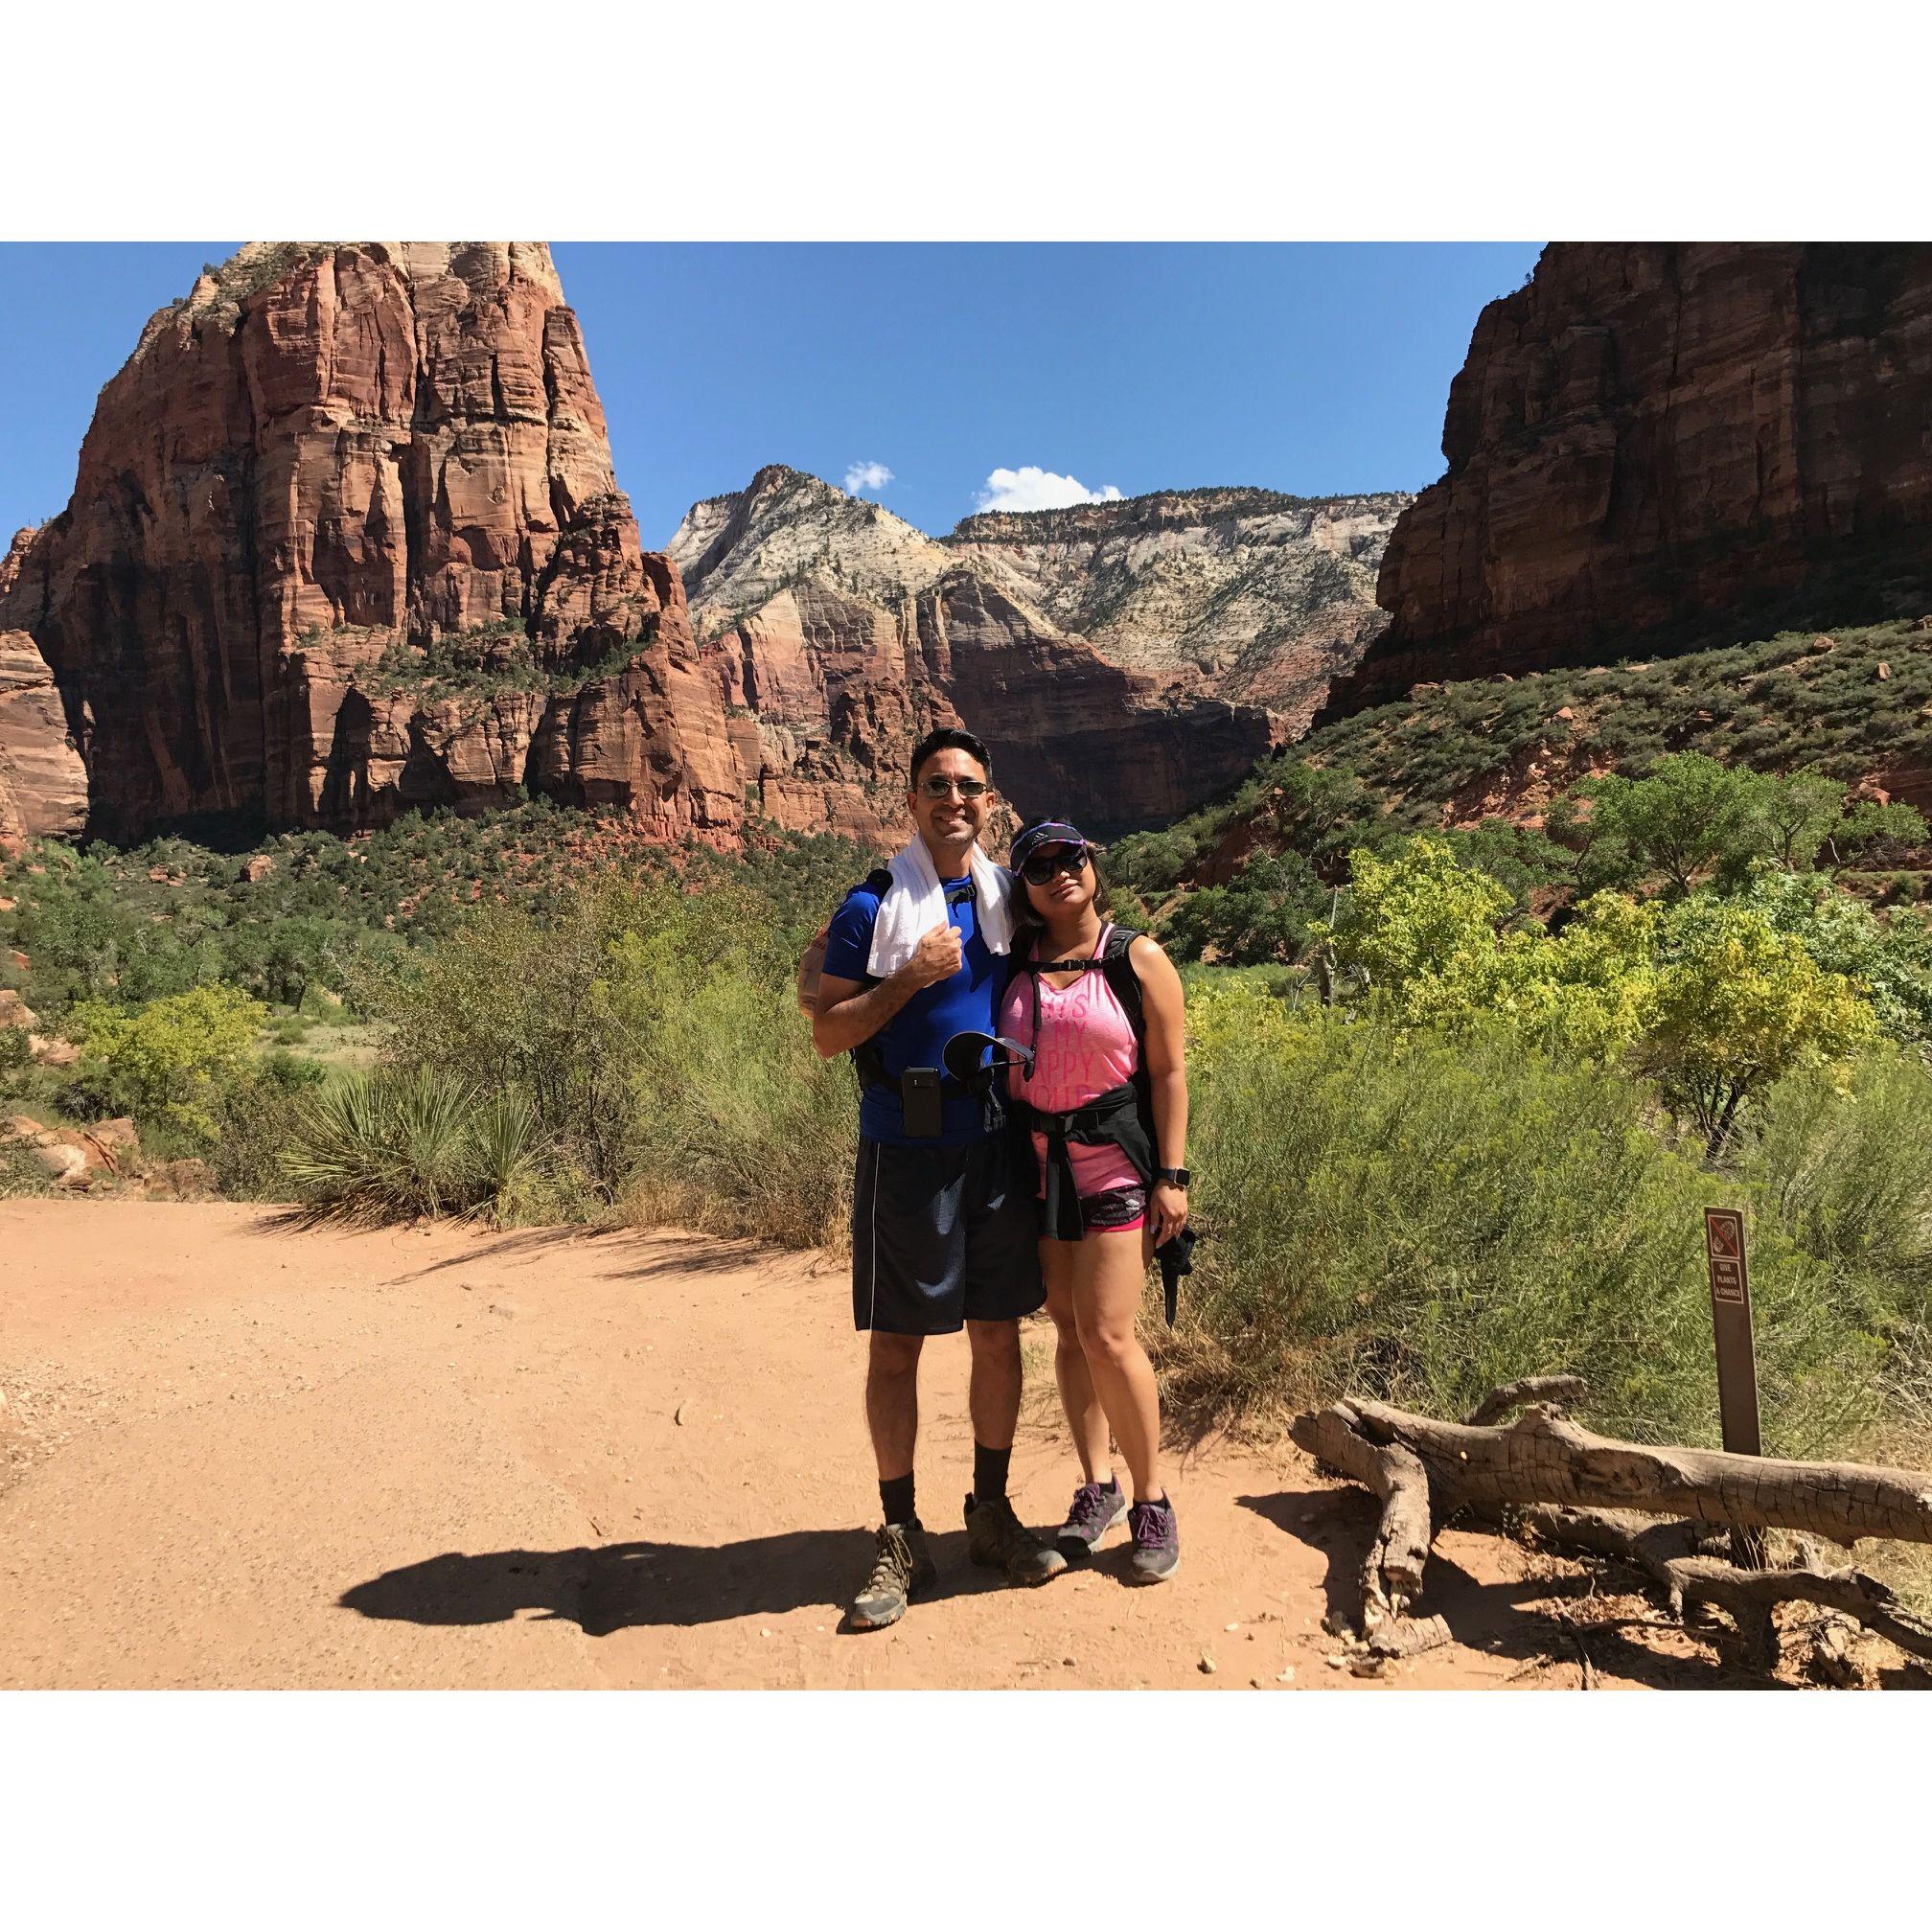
[(937, 955)]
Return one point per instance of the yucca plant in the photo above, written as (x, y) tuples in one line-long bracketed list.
[(504, 1135), (433, 1115), (388, 1145), (340, 1156)]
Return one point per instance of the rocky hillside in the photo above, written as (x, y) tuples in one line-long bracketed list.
[(838, 632), (1244, 594), (345, 538), (1854, 705), (1670, 444)]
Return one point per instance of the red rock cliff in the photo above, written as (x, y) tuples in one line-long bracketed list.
[(346, 539), (1684, 440)]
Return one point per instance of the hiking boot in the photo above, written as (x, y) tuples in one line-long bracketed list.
[(1157, 1542), (1096, 1508), (902, 1567), (995, 1539)]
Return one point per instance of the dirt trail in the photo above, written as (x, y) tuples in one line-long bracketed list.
[(234, 1452)]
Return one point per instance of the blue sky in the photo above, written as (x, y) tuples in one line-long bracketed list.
[(1313, 368)]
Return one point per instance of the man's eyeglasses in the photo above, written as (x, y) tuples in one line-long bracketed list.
[(1041, 866), (936, 786)]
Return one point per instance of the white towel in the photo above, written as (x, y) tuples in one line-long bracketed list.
[(916, 901)]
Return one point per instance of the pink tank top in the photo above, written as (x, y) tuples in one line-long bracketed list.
[(1083, 1048)]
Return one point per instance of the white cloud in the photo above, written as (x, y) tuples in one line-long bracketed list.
[(1030, 488), (866, 480)]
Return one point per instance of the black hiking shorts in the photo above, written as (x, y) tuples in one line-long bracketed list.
[(944, 1235)]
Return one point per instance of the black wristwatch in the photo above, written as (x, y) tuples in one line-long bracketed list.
[(1175, 1177)]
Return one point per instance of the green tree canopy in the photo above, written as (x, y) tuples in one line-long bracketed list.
[(164, 1061), (1736, 1005), (1714, 999), (1688, 816), (1418, 929)]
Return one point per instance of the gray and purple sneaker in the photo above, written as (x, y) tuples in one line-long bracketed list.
[(1096, 1508), (1157, 1542)]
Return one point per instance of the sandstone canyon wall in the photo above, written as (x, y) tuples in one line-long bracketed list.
[(1670, 442), (345, 538), (43, 784), (1124, 661)]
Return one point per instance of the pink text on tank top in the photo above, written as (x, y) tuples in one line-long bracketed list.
[(1083, 1048)]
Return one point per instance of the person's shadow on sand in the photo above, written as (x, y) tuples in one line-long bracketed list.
[(616, 1585)]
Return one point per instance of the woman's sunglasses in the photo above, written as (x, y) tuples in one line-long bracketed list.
[(1041, 866), (944, 787)]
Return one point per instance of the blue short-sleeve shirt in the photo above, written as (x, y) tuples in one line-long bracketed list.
[(916, 1035)]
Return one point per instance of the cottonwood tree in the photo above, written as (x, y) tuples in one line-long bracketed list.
[(164, 1061), (1796, 815), (1687, 816), (1736, 1007), (1708, 996)]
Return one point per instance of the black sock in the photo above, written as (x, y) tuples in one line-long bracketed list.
[(989, 1472), (896, 1496)]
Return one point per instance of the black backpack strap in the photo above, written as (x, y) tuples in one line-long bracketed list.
[(1122, 977), (868, 1061), (1175, 1256)]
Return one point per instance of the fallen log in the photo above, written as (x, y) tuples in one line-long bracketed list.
[(1579, 1491), (1545, 1457), (1391, 1572)]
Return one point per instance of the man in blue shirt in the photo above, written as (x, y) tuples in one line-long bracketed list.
[(945, 1231)]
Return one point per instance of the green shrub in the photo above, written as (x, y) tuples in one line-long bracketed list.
[(1419, 1221), (514, 1003), (20, 1174), (645, 1038), (1845, 1164), (743, 1128), (255, 1122)]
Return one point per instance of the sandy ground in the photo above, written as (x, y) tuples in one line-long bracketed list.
[(236, 1453)]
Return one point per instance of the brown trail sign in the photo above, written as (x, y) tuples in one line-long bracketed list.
[(1737, 1354), (1730, 1322)]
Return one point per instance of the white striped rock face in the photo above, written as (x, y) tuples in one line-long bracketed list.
[(1242, 594)]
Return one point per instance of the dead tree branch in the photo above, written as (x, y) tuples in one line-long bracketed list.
[(1555, 1390), (1391, 1572), (1545, 1457)]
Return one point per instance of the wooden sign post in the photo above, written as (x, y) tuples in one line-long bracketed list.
[(1737, 1354)]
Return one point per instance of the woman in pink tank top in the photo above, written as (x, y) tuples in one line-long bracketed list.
[(1106, 1210)]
